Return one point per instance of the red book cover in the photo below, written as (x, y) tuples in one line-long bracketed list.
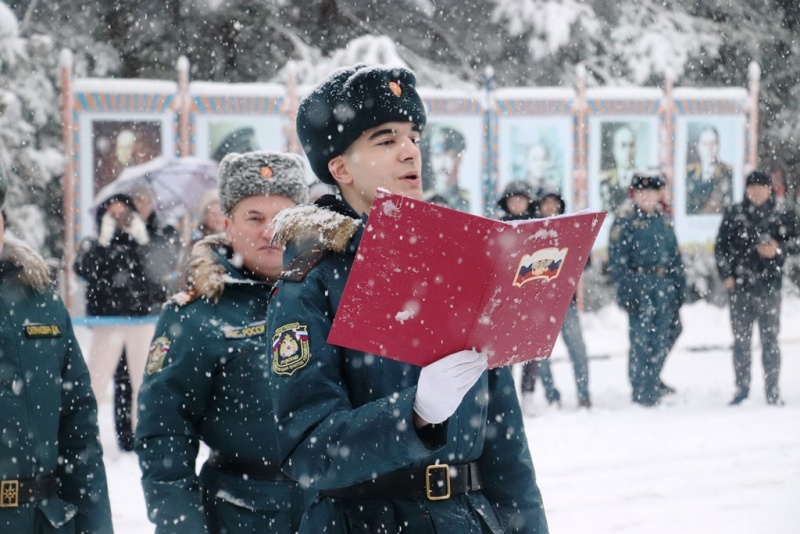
[(429, 281)]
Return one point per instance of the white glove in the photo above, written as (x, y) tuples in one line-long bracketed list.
[(443, 384), (108, 226), (137, 229)]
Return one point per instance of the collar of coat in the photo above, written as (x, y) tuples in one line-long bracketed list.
[(209, 270), (34, 271), (328, 223)]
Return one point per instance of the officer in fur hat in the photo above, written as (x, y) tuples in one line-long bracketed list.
[(650, 283), (388, 446), (52, 477), (205, 378)]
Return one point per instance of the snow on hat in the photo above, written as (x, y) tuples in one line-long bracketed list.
[(758, 178), (260, 173), (350, 101)]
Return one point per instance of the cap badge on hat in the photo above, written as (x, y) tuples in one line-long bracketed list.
[(266, 172), (395, 88)]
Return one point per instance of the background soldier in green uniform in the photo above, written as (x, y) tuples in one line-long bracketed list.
[(650, 283), (391, 447), (51, 463), (205, 377)]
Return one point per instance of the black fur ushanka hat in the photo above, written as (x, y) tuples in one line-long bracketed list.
[(350, 101)]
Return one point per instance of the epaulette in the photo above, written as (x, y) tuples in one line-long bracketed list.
[(299, 267), (182, 298)]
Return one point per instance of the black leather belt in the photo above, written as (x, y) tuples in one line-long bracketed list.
[(657, 270), (16, 492), (434, 482), (250, 468)]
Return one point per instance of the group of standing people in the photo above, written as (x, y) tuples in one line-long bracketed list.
[(644, 261), (754, 239), (305, 436)]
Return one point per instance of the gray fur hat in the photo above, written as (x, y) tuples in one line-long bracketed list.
[(260, 173)]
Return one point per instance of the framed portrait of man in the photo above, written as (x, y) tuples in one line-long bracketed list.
[(709, 162), (218, 136), (452, 163), (120, 144), (617, 147), (538, 150), (108, 144)]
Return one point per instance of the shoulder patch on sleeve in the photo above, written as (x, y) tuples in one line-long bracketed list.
[(157, 355), (302, 264), (290, 349)]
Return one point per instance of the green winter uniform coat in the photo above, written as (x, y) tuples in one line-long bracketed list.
[(48, 414), (650, 282), (345, 417), (206, 380)]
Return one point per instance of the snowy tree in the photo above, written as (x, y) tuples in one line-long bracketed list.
[(447, 42), (28, 103)]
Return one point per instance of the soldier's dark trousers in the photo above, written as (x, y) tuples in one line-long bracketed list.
[(651, 338), (572, 335), (762, 306)]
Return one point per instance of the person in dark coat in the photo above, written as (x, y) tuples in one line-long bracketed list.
[(52, 478), (650, 282), (119, 293), (754, 239), (387, 446), (205, 378)]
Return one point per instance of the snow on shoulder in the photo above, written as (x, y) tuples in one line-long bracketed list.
[(309, 222)]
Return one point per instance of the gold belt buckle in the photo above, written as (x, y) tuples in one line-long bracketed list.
[(433, 491), (9, 493)]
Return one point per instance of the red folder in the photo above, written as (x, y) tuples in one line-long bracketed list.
[(429, 281)]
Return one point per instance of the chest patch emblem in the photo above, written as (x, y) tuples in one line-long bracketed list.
[(42, 330), (290, 350), (251, 330), (158, 353)]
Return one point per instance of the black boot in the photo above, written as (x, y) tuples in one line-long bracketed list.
[(741, 395), (554, 397), (665, 389)]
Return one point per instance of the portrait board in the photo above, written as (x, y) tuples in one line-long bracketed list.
[(709, 163), (218, 135), (617, 147), (538, 150), (452, 162), (111, 143)]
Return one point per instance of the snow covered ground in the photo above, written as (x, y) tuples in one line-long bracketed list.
[(693, 465)]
